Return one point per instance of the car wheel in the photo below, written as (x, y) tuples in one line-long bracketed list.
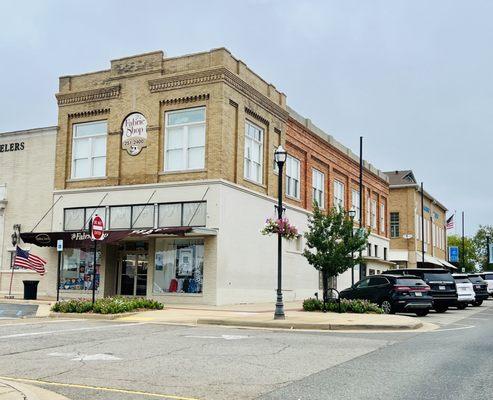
[(461, 306), (422, 313), (387, 307), (441, 309), (477, 303)]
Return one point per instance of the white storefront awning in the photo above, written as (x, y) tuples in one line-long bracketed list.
[(398, 255)]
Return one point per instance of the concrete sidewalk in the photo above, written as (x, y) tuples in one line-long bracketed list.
[(13, 390), (258, 316)]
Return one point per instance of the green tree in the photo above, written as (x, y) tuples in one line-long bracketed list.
[(332, 246), (480, 247), (470, 256)]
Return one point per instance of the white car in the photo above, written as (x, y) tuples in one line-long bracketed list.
[(488, 277), (465, 291)]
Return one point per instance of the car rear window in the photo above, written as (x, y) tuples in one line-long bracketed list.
[(462, 280), (488, 277), (409, 282), (438, 276), (476, 279)]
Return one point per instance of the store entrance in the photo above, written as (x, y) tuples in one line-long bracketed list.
[(132, 276)]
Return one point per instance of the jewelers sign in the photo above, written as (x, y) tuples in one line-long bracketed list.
[(134, 133)]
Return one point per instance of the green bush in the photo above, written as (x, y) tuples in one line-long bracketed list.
[(347, 306), (107, 305)]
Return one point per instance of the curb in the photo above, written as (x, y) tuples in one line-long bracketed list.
[(21, 390), (107, 317), (308, 325)]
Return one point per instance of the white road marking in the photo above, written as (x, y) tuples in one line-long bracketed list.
[(16, 335), (86, 357), (479, 319), (452, 329), (40, 322), (225, 337)]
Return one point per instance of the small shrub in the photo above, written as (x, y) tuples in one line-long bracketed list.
[(107, 305), (347, 306)]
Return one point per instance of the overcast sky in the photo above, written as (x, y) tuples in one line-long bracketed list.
[(413, 77)]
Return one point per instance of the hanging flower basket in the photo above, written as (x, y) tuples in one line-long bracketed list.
[(273, 226)]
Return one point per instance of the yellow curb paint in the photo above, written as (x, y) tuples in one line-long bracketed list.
[(100, 388)]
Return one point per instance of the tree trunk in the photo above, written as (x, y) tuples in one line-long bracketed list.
[(325, 289)]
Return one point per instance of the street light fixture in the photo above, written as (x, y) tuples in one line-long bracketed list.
[(280, 156)]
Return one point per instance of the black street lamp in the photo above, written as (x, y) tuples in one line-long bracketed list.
[(280, 156), (352, 214), (488, 237)]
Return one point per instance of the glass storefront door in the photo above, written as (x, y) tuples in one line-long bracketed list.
[(133, 275)]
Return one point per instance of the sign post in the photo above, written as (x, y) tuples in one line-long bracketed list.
[(97, 233), (59, 249)]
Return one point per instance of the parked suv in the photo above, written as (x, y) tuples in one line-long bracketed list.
[(441, 282), (465, 291), (393, 293), (480, 289), (488, 277)]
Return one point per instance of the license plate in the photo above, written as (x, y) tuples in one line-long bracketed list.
[(419, 294), (441, 287)]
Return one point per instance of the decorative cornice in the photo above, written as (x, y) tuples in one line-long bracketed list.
[(218, 75), (88, 95), (187, 99), (258, 117), (89, 113)]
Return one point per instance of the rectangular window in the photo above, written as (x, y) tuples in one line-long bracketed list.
[(178, 266), (74, 219), (185, 140), (373, 214), (77, 269), (89, 150), (143, 216), (169, 215), (355, 204), (376, 250), (338, 194), (382, 217), (292, 177), (394, 225), (182, 214), (120, 217), (318, 180), (194, 214), (385, 253), (254, 152), (368, 211)]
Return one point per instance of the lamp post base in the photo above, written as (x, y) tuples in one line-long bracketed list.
[(279, 313)]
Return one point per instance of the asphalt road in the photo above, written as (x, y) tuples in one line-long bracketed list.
[(123, 361)]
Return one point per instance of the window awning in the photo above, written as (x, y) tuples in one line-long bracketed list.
[(80, 239)]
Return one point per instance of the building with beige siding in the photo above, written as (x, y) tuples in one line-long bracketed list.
[(411, 229), (176, 155)]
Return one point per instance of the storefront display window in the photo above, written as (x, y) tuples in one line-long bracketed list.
[(120, 217), (77, 269), (194, 214), (143, 216), (178, 266)]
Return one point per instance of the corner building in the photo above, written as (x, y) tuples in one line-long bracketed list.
[(177, 156)]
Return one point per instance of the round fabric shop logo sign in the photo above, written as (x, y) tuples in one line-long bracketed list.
[(134, 133)]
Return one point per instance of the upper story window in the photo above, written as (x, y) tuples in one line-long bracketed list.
[(338, 194), (318, 180), (292, 177), (254, 151), (355, 204), (373, 211), (394, 225), (89, 149), (184, 139), (382, 217)]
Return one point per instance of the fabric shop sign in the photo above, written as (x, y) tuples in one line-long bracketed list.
[(8, 147), (134, 133)]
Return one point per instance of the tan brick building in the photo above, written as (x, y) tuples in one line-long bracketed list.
[(176, 155), (409, 231)]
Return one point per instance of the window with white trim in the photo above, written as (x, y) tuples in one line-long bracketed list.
[(184, 139), (292, 177), (382, 217), (254, 152), (355, 204), (368, 211), (373, 214), (318, 180), (338, 194), (89, 150)]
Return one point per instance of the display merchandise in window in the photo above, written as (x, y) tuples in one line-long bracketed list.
[(77, 269), (179, 266)]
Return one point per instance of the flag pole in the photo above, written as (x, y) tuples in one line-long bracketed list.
[(12, 258)]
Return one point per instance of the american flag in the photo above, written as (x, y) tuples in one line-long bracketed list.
[(23, 259), (450, 222)]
